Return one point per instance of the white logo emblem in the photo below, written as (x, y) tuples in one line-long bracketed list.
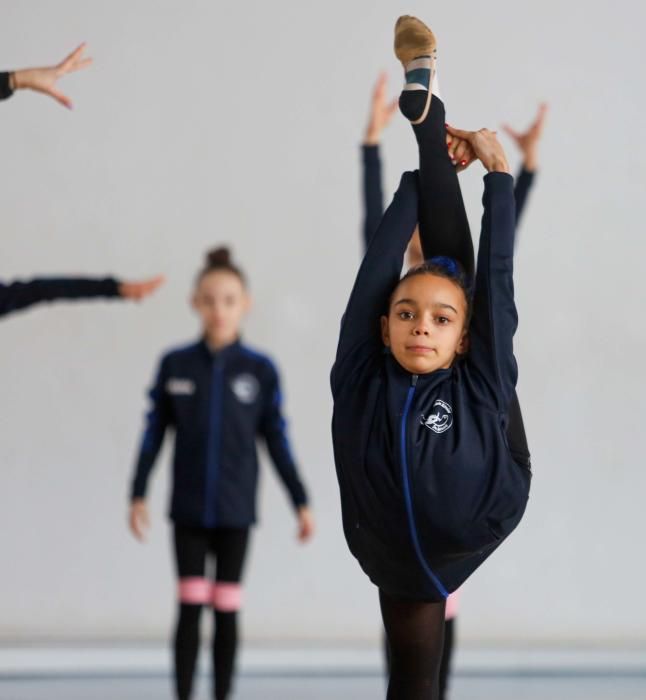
[(180, 387), (245, 387), (440, 419)]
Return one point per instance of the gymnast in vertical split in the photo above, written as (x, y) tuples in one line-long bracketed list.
[(381, 113), (218, 396), (431, 456)]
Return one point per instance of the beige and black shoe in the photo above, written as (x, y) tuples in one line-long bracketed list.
[(416, 48)]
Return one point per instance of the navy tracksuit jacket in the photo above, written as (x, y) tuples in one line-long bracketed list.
[(218, 404), (20, 295), (429, 487)]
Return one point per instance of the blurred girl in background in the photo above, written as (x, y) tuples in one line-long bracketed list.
[(219, 396)]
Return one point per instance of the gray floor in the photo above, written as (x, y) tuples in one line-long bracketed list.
[(264, 688)]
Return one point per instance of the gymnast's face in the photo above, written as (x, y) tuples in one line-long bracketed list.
[(221, 301), (426, 324)]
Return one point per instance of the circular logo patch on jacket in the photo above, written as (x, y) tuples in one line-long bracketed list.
[(440, 418), (245, 387)]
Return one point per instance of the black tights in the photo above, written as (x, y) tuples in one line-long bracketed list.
[(447, 657), (192, 546), (415, 632)]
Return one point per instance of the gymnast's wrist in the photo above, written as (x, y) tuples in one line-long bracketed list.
[(530, 161), (498, 165), (19, 79)]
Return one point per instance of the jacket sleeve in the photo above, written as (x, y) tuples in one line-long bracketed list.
[(158, 419), (20, 295), (524, 183), (5, 87), (373, 200), (494, 318), (378, 274), (273, 428)]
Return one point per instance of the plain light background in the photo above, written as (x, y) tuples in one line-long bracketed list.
[(204, 123)]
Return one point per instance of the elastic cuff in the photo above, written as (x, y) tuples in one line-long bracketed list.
[(5, 86), (370, 152), (112, 287), (499, 181), (136, 492), (300, 501), (529, 174)]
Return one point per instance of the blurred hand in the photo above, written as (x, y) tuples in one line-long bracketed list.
[(140, 290), (44, 80), (527, 141), (381, 111), (486, 147), (139, 519), (305, 524)]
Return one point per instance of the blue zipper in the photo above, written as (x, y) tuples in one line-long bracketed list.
[(407, 495), (213, 444)]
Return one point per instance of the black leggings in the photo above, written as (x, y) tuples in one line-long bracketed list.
[(192, 549)]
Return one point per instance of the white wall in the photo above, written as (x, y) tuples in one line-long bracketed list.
[(206, 122)]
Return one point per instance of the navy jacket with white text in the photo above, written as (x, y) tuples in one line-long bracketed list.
[(218, 403)]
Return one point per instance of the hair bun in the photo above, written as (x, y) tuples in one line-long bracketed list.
[(218, 260), (218, 257)]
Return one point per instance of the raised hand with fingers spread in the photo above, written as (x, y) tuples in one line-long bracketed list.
[(527, 141), (44, 80), (381, 111)]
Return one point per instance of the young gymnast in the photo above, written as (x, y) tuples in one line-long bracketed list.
[(219, 396), (44, 80), (381, 113), (423, 383)]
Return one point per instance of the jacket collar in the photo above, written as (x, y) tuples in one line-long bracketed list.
[(396, 371), (221, 354)]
